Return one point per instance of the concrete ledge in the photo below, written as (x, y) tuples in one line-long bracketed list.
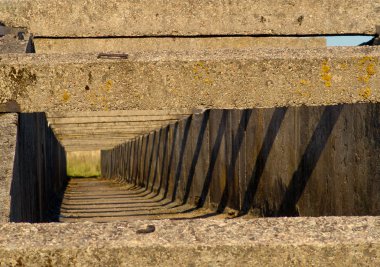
[(337, 241), (93, 45), (197, 17), (198, 79)]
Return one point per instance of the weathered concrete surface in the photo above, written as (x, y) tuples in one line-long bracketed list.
[(87, 45), (293, 161), (170, 80), (332, 241), (10, 44), (8, 134), (215, 17)]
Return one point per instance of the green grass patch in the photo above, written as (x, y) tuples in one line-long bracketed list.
[(83, 164)]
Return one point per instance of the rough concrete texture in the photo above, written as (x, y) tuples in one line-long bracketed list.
[(169, 80), (8, 136), (198, 17), (10, 44), (333, 241), (87, 45)]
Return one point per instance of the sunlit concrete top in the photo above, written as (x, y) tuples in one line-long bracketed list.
[(239, 78), (197, 17), (325, 241)]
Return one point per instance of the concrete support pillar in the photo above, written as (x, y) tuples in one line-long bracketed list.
[(8, 136)]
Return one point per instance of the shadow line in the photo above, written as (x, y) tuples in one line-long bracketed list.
[(309, 160), (270, 136)]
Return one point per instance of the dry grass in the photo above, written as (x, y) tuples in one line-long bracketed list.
[(83, 164)]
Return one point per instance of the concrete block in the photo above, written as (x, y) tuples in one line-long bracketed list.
[(171, 80), (324, 241), (8, 138), (188, 18), (152, 44)]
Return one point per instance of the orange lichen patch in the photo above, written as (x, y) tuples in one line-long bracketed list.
[(366, 59), (202, 73), (66, 96), (343, 66), (367, 66), (326, 74), (365, 92), (304, 82), (371, 69)]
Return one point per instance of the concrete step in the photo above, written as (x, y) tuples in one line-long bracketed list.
[(323, 241)]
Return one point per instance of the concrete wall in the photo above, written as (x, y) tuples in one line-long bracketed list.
[(307, 161), (239, 78), (196, 17), (39, 171), (127, 45), (8, 134)]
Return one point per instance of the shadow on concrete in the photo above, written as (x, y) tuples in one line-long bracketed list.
[(39, 171), (309, 160)]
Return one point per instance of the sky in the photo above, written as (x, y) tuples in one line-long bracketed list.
[(347, 40)]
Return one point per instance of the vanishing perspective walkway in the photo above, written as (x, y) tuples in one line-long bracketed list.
[(104, 200)]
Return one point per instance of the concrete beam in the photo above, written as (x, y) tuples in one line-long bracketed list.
[(184, 18), (171, 80), (152, 44), (112, 125), (80, 131), (325, 241), (84, 120), (121, 113)]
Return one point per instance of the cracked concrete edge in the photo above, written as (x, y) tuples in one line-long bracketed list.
[(215, 17), (222, 78), (338, 241)]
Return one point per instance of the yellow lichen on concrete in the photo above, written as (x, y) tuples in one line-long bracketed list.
[(302, 89), (66, 96), (202, 73), (367, 69), (365, 92), (326, 73)]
